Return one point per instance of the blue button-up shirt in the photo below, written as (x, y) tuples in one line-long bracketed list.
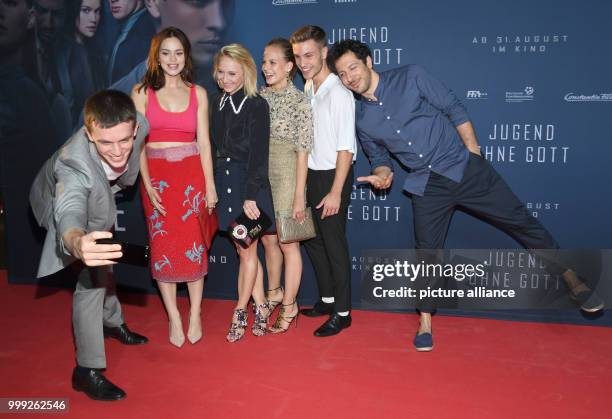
[(413, 118)]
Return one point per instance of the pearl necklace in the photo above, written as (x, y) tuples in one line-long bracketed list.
[(224, 99)]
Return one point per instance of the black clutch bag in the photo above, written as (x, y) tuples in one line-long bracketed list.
[(245, 231)]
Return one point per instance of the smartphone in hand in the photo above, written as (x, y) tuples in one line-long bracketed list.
[(133, 254)]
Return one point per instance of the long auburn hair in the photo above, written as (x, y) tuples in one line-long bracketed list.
[(154, 77)]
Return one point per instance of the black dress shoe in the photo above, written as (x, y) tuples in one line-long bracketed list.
[(124, 335), (333, 325), (95, 385), (320, 309)]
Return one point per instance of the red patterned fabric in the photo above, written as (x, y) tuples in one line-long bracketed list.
[(178, 253)]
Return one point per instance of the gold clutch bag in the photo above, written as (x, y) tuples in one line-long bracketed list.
[(290, 230)]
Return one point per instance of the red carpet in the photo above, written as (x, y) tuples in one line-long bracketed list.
[(479, 368)]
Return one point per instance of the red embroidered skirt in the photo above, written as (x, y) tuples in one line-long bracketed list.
[(178, 253)]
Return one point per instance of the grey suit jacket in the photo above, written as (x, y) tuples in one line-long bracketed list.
[(71, 191)]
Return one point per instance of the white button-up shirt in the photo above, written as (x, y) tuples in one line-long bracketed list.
[(333, 111), (110, 172)]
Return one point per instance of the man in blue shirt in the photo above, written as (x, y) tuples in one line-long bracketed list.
[(407, 113)]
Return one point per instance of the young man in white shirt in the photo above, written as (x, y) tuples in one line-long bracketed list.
[(330, 178)]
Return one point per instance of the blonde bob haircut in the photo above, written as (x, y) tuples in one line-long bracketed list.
[(242, 56)]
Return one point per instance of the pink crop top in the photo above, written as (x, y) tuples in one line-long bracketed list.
[(171, 126)]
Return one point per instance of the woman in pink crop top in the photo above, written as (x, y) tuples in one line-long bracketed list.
[(177, 175)]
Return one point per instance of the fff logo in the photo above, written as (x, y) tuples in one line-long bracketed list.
[(476, 94)]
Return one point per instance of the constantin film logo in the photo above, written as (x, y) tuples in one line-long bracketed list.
[(595, 97), (525, 96), (519, 44), (292, 2), (476, 95)]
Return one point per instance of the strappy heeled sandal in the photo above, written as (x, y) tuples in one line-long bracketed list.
[(274, 303), (283, 319), (260, 324), (237, 328)]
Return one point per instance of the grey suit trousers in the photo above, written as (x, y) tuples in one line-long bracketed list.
[(94, 305)]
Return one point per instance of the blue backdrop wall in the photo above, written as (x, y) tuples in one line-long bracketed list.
[(535, 77)]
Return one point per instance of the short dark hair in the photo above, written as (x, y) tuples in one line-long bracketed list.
[(360, 49), (308, 32), (108, 108)]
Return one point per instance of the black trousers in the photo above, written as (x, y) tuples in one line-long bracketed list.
[(328, 251), (483, 193)]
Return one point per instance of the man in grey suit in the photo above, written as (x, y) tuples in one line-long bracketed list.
[(73, 198)]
